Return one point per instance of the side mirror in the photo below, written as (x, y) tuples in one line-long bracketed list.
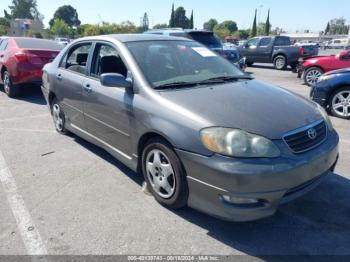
[(343, 55), (114, 80)]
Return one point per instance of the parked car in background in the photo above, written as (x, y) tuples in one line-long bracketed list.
[(22, 60), (312, 68), (271, 49), (179, 113), (62, 41), (206, 38), (337, 44), (332, 91)]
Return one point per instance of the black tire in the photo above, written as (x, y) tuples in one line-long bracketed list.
[(179, 197), (250, 63), (57, 112), (10, 89), (280, 62), (311, 75), (333, 100)]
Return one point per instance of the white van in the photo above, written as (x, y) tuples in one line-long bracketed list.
[(338, 43)]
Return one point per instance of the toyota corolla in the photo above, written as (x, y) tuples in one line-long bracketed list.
[(202, 133)]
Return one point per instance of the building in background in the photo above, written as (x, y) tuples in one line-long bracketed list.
[(25, 27)]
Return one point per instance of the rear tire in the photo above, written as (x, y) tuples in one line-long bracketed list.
[(280, 62), (164, 174), (10, 89), (311, 75), (58, 117)]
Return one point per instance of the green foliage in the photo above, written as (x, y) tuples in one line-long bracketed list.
[(3, 30), (24, 9), (68, 14), (160, 26), (145, 23), (254, 27), (210, 24), (172, 17), (180, 18), (191, 23), (338, 26), (108, 28), (60, 28), (226, 28), (267, 24), (242, 34), (328, 28)]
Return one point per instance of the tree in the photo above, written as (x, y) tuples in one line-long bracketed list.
[(267, 24), (328, 28), (338, 26), (226, 28), (145, 22), (60, 28), (24, 9), (172, 17), (180, 19), (3, 30), (191, 25), (68, 14), (254, 28), (244, 33), (160, 26), (210, 24)]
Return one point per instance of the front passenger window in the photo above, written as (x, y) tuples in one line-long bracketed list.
[(77, 58)]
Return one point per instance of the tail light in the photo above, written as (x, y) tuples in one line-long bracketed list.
[(22, 56), (301, 51)]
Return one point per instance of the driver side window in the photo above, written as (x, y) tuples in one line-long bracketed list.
[(76, 59), (253, 42), (107, 60)]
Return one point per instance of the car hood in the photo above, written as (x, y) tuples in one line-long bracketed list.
[(319, 58), (340, 71), (253, 106)]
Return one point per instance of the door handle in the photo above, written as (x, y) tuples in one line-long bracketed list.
[(87, 88), (59, 77)]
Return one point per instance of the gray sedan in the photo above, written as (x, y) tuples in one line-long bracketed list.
[(201, 132)]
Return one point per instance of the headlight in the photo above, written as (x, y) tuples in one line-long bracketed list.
[(326, 117), (325, 78), (237, 143)]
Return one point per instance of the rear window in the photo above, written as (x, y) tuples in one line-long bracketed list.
[(205, 38), (33, 43), (282, 41)]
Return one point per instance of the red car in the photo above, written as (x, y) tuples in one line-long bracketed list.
[(313, 67), (22, 60)]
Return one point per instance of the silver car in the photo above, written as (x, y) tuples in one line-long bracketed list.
[(202, 132)]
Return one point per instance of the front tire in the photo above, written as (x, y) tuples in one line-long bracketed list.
[(312, 75), (280, 62), (10, 89), (339, 103), (164, 174), (58, 117)]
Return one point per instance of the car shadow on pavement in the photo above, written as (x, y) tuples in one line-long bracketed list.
[(31, 94), (316, 224)]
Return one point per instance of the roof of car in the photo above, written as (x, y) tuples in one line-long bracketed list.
[(136, 37)]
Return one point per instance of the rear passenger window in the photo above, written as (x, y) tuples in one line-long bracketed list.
[(282, 41), (107, 60), (76, 58), (265, 41)]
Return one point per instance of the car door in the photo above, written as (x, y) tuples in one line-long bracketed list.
[(263, 50), (107, 110), (3, 46), (249, 50), (69, 81)]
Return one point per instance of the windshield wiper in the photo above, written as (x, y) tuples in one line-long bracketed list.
[(226, 78), (176, 85)]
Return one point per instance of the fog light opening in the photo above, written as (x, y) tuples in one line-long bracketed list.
[(240, 200)]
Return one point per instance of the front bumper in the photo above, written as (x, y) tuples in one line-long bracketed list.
[(270, 181)]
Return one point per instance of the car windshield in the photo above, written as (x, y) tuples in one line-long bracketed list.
[(33, 43), (181, 63)]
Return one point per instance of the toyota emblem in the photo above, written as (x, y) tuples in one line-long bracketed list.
[(312, 133)]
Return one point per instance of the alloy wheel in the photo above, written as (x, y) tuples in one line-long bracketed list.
[(313, 76), (341, 103), (160, 173), (280, 63), (7, 83), (57, 117)]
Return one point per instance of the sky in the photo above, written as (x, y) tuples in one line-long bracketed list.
[(291, 15)]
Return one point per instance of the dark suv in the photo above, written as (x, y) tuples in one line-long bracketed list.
[(206, 38)]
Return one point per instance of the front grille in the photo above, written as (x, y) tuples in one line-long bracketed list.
[(300, 140)]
